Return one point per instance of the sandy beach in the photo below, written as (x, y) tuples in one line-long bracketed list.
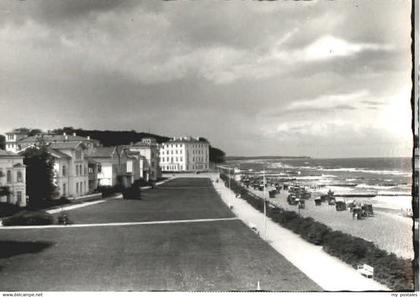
[(327, 271), (387, 230)]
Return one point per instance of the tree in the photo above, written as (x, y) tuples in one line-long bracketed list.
[(39, 175), (34, 132), (2, 142), (216, 155)]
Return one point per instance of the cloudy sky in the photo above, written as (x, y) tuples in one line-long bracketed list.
[(318, 78)]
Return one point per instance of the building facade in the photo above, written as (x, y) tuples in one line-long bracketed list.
[(116, 165), (70, 169), (13, 138), (149, 149), (12, 179), (184, 154)]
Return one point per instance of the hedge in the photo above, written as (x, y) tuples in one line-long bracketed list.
[(26, 217), (390, 270)]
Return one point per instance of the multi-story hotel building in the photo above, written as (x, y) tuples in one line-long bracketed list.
[(184, 154)]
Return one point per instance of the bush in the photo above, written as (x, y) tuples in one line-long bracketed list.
[(109, 191), (132, 192), (7, 209), (28, 218), (142, 183)]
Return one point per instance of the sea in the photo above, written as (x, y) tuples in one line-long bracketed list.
[(386, 182)]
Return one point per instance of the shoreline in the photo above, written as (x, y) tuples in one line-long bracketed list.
[(334, 275), (376, 229)]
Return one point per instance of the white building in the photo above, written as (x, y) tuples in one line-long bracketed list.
[(149, 149), (12, 179), (13, 138), (184, 154)]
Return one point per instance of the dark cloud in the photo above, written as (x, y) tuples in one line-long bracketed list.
[(217, 69)]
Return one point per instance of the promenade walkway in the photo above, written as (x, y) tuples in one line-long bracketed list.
[(327, 271)]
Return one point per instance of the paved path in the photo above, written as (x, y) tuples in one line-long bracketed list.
[(327, 271), (116, 224)]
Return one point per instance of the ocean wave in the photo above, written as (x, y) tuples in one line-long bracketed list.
[(390, 172)]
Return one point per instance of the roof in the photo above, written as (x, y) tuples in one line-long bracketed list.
[(132, 153), (55, 138), (144, 144), (6, 154), (19, 131), (102, 152), (186, 139), (64, 145), (58, 154), (91, 161)]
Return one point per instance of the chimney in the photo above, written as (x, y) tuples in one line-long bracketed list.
[(74, 133), (88, 137), (64, 134)]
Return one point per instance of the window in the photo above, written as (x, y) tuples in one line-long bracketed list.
[(180, 159), (64, 190), (19, 196), (19, 176), (99, 168), (9, 176), (77, 188), (78, 155), (64, 169)]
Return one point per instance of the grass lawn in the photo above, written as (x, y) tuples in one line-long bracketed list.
[(179, 199), (188, 257), (205, 256)]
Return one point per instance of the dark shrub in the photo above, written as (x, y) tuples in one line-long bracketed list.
[(7, 209), (132, 192), (109, 191), (316, 233), (26, 217)]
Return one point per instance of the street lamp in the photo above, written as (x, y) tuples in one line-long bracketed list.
[(265, 207), (230, 206)]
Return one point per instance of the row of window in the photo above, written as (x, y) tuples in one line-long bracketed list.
[(80, 170), (19, 176), (81, 188), (171, 152), (181, 167), (198, 159), (198, 152), (174, 145), (173, 167), (166, 159)]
